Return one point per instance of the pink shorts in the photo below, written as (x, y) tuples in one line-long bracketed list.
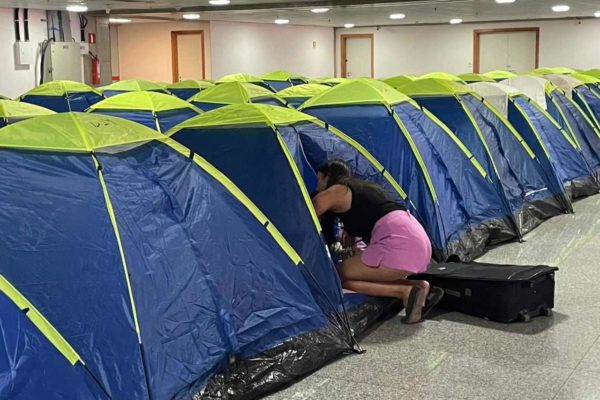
[(398, 241)]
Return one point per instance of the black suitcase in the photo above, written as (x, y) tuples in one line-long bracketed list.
[(503, 293)]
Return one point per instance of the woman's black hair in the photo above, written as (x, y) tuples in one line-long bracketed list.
[(337, 171)]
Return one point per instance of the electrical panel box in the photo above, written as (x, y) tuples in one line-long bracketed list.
[(84, 48), (23, 53), (62, 61)]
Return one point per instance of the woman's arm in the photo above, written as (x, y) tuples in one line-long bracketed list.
[(337, 198)]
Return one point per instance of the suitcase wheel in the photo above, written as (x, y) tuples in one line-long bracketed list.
[(546, 312), (524, 316)]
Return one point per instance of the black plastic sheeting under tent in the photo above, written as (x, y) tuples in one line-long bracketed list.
[(291, 361)]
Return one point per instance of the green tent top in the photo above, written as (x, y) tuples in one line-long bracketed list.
[(305, 90), (190, 84), (242, 114), (442, 75), (358, 91), (283, 76), (499, 74), (554, 70), (233, 93), (398, 80), (3, 97), (592, 72), (471, 77), (239, 78), (151, 101), (16, 109), (586, 79), (133, 85), (59, 88), (433, 87), (75, 132)]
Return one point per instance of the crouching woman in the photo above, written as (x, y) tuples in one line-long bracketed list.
[(397, 243)]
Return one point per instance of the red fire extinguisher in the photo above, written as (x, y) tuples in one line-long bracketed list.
[(95, 69)]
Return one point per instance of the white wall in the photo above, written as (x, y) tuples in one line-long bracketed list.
[(17, 79), (145, 49), (422, 49), (260, 48)]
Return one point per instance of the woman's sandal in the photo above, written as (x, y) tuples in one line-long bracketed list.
[(433, 297), (417, 300)]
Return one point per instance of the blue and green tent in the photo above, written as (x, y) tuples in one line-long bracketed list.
[(280, 80), (235, 93), (132, 85), (15, 111), (154, 110), (584, 90), (296, 95), (456, 201), (272, 153), (245, 141), (139, 271), (62, 96), (244, 78), (531, 194), (186, 89), (566, 112), (544, 135)]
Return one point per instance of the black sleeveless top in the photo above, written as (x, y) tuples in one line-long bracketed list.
[(370, 202)]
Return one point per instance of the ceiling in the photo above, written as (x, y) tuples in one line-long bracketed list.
[(359, 12)]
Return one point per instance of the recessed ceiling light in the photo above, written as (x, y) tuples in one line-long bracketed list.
[(397, 16), (282, 21), (561, 8), (219, 2), (119, 20), (597, 14), (77, 8), (348, 26), (191, 16), (320, 10), (455, 21), (505, 1)]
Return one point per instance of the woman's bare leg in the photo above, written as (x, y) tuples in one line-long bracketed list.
[(381, 282), (354, 269)]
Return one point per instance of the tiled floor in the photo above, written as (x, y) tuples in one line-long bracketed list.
[(454, 356)]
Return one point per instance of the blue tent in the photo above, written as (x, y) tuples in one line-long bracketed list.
[(280, 80), (142, 271), (583, 90), (62, 96), (272, 153), (544, 136), (261, 149), (234, 93), (569, 115), (456, 201), (186, 89), (154, 110), (531, 193), (132, 85)]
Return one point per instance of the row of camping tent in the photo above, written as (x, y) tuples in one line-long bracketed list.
[(555, 140), (219, 205)]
